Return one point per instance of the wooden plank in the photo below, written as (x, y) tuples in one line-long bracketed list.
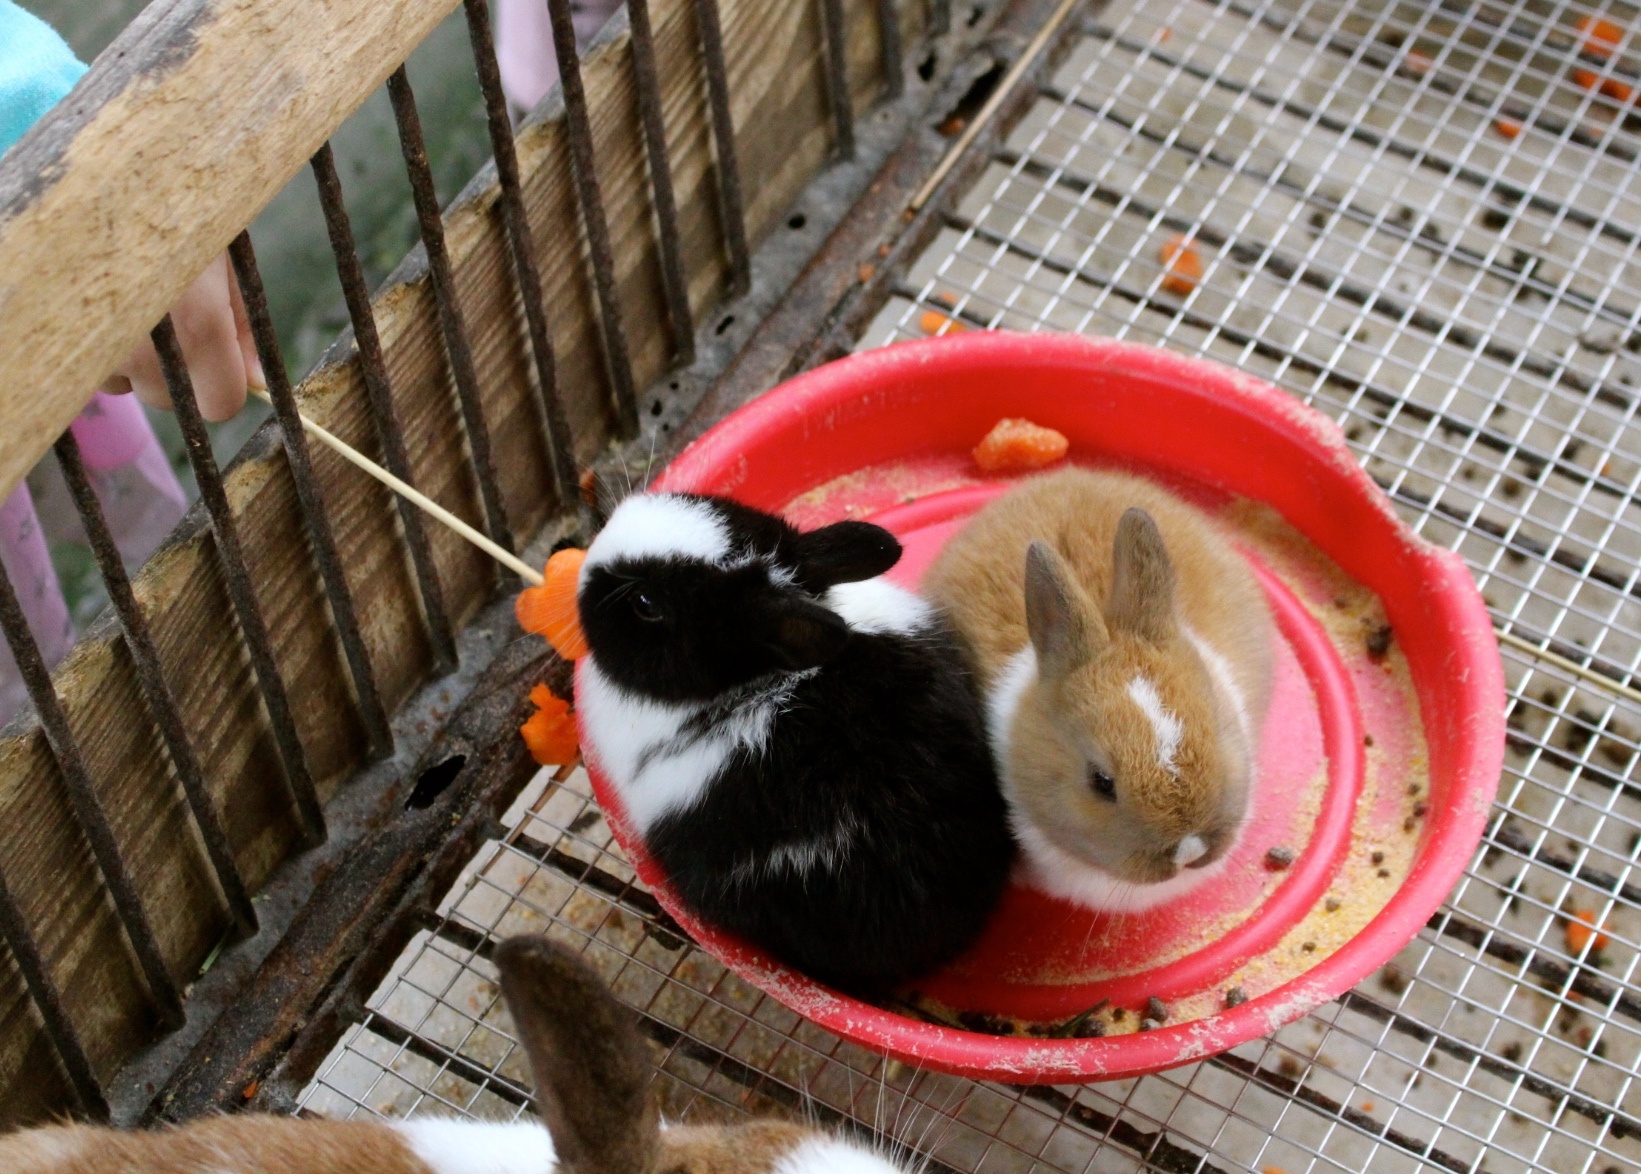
[(216, 103), (776, 77)]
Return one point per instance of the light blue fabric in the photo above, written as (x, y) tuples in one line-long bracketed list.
[(36, 69)]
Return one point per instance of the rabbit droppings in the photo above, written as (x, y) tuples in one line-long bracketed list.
[(798, 741), (592, 1088), (1125, 648)]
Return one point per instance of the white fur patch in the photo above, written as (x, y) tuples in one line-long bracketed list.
[(659, 525), (833, 1155), (646, 751), (1003, 702), (1189, 850), (799, 856), (1165, 724), (449, 1146), (1048, 869), (877, 605)]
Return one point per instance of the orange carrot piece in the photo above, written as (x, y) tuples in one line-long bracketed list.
[(1586, 79), (550, 732), (1417, 63), (1508, 127), (1601, 37), (550, 610), (1181, 265), (1582, 930), (1618, 91), (1015, 446), (933, 322)]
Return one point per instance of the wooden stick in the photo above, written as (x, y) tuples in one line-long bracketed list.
[(1568, 665), (1004, 88), (420, 500)]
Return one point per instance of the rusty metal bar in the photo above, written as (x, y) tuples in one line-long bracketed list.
[(521, 246), (452, 323), (88, 808), (731, 205), (894, 71), (162, 703), (582, 163), (323, 540), (666, 203), (835, 33), (65, 1040), (373, 368), (292, 758)]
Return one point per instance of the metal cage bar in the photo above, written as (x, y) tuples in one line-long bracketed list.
[(88, 808), (660, 161), (452, 324), (522, 249), (732, 207), (835, 38), (589, 197), (315, 516), (373, 369), (293, 759), (162, 704)]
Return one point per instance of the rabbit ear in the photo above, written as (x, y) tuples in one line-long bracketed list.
[(800, 633), (846, 552), (1065, 629), (592, 1071), (1142, 580)]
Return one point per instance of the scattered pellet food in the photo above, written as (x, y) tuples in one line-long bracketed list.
[(1511, 1051), (1149, 1024), (1420, 809), (1156, 1009), (1384, 874), (1331, 904), (1495, 219), (1378, 641), (1367, 739), (1413, 788), (1409, 824), (1308, 947), (1279, 857), (1235, 997), (1118, 1015), (1377, 858), (1392, 979)]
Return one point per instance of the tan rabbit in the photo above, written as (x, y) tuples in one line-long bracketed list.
[(592, 1076), (1125, 650)]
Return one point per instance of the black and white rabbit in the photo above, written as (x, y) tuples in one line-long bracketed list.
[(797, 740)]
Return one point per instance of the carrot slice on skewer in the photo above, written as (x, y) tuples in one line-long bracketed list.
[(550, 610), (1016, 446)]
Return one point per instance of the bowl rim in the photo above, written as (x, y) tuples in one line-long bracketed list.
[(1447, 845)]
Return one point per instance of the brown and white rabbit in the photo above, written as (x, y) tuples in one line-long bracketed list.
[(592, 1077), (1125, 650)]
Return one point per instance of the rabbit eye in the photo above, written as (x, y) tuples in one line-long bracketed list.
[(1102, 784), (646, 607)]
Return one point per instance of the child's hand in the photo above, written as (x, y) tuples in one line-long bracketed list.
[(215, 335)]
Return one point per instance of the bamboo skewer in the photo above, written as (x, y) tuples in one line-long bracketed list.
[(420, 500)]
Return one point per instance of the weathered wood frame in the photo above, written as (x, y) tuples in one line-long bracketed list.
[(185, 128)]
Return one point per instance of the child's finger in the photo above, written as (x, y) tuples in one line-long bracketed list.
[(210, 339), (247, 341), (142, 376)]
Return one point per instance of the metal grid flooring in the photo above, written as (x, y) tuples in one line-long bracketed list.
[(1464, 301)]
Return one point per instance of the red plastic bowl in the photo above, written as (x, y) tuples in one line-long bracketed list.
[(1211, 431)]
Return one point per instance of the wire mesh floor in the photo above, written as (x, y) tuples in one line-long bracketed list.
[(1424, 222)]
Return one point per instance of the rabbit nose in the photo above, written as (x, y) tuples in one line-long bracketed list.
[(1189, 850)]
